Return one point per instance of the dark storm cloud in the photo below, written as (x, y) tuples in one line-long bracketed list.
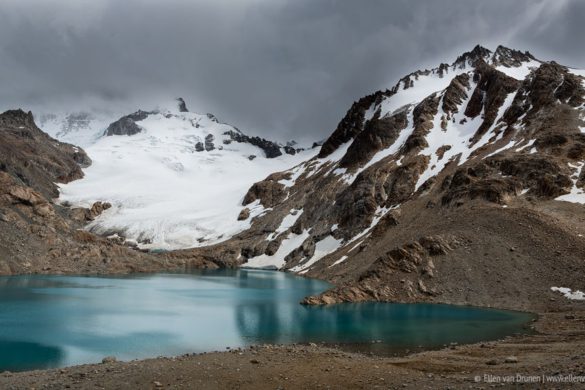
[(281, 68)]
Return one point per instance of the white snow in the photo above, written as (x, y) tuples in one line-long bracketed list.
[(457, 135), (389, 151), (81, 129), (256, 209), (295, 172), (519, 72), (287, 223), (339, 171), (378, 215), (527, 145), (578, 72), (316, 164), (577, 195), (276, 261), (355, 246), (423, 87), (369, 114), (322, 249), (575, 295), (341, 260), (164, 191)]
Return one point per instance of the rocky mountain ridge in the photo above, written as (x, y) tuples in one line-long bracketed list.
[(495, 135), (130, 125)]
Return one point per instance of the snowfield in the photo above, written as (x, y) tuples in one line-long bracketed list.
[(77, 128), (165, 193)]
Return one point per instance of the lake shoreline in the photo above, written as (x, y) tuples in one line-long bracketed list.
[(194, 301), (555, 349)]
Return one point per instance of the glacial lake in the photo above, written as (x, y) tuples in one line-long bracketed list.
[(55, 321)]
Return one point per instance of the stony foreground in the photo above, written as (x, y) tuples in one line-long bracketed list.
[(557, 351)]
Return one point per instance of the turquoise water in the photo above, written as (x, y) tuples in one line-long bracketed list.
[(54, 321)]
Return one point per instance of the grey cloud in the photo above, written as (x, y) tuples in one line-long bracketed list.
[(280, 68)]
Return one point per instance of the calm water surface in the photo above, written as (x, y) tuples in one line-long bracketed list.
[(54, 321)]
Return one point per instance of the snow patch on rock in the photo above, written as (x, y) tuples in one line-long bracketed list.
[(277, 261), (575, 295), (322, 248), (577, 195)]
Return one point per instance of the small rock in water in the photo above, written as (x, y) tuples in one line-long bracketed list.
[(492, 362), (511, 359), (109, 359), (254, 361), (157, 384)]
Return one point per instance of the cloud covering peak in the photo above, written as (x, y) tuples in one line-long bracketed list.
[(279, 68)]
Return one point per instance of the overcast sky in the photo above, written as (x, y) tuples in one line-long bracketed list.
[(284, 69)]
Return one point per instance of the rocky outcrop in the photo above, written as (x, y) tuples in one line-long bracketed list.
[(35, 160), (470, 58), (16, 195), (492, 89), (511, 58), (403, 274), (271, 149), (423, 115), (351, 124), (209, 146), (87, 215), (127, 124), (182, 105), (269, 192), (377, 134), (244, 214)]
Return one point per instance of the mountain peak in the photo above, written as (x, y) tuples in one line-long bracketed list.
[(471, 57), (510, 57), (16, 118)]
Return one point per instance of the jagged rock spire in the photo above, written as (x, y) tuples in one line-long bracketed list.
[(510, 57), (469, 58), (182, 105)]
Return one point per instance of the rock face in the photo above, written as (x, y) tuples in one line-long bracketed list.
[(423, 188), (182, 105), (127, 124), (271, 149), (31, 157)]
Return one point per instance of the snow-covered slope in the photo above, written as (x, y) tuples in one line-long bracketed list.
[(77, 128), (177, 183)]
